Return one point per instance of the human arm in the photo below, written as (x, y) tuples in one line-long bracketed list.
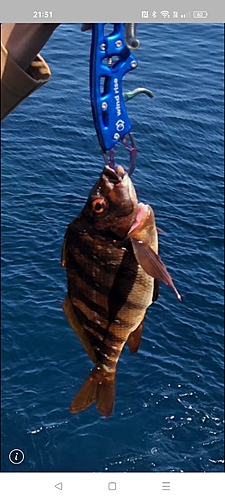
[(24, 41), (23, 70)]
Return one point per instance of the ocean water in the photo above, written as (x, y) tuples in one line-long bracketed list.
[(168, 412)]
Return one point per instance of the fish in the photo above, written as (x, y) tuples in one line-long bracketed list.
[(110, 253)]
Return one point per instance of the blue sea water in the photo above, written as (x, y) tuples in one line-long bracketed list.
[(169, 397)]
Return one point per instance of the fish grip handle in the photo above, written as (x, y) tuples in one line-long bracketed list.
[(110, 60)]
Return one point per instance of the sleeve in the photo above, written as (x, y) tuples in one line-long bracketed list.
[(17, 84)]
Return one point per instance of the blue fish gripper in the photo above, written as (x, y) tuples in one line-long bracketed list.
[(110, 60)]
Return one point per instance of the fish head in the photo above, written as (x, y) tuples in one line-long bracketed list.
[(112, 204)]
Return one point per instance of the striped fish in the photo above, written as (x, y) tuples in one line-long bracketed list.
[(110, 255)]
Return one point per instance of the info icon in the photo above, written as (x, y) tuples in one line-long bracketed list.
[(16, 456)]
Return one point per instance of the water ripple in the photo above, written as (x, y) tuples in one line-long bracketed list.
[(169, 397)]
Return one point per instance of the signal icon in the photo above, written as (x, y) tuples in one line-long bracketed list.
[(165, 13)]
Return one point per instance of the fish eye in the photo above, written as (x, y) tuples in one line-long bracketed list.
[(99, 205)]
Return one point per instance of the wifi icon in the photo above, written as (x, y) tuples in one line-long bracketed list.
[(165, 13)]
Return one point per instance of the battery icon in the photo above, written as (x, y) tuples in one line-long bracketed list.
[(200, 14)]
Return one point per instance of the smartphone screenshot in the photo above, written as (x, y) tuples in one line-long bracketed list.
[(112, 250)]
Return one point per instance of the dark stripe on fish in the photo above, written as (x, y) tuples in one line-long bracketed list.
[(95, 327), (78, 294), (116, 297), (104, 351), (96, 331), (113, 339), (87, 248), (78, 269)]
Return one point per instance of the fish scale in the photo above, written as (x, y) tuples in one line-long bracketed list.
[(110, 255), (94, 284)]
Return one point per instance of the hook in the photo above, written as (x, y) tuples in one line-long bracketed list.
[(140, 90)]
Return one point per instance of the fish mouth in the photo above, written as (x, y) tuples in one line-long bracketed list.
[(114, 175)]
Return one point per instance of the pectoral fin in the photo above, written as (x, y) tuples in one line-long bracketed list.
[(152, 264), (77, 328)]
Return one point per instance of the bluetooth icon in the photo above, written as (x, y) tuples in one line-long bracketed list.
[(154, 14)]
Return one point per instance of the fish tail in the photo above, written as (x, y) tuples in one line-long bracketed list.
[(99, 387)]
